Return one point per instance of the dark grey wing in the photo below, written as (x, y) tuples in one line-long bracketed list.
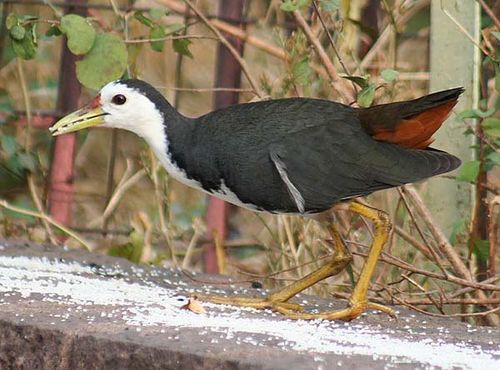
[(292, 190), (328, 167)]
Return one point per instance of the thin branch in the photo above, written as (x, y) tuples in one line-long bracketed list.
[(384, 37), (472, 314), (124, 185), (414, 219), (227, 44), (166, 38), (443, 243), (204, 89), (422, 289), (465, 32), (27, 147), (39, 207), (414, 242), (159, 194), (465, 301), (453, 279), (337, 83), (6, 205), (492, 15), (199, 231), (492, 235), (332, 43), (273, 50), (27, 104)]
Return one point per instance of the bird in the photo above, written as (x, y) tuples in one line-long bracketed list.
[(298, 155)]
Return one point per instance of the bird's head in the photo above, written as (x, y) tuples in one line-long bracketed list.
[(133, 105)]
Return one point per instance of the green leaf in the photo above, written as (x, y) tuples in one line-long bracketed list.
[(53, 31), (291, 5), (181, 46), (32, 33), (494, 158), (365, 96), (301, 71), (80, 33), (482, 250), (25, 48), (246, 251), (496, 34), (11, 21), (361, 81), (157, 13), (157, 32), (469, 171), (27, 161), (459, 229), (17, 32), (330, 5), (174, 27), (6, 55), (491, 127), (143, 19), (288, 6), (131, 251), (8, 144), (476, 113), (105, 62), (389, 74), (27, 18), (21, 202)]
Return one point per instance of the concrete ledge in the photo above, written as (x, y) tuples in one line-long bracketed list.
[(75, 310)]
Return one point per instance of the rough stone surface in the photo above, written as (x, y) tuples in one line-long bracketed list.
[(75, 310)]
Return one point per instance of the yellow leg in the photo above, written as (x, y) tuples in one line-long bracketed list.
[(279, 300), (358, 302)]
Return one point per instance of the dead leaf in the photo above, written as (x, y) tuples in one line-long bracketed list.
[(194, 305)]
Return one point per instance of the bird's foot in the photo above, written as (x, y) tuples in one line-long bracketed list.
[(296, 311), (349, 313), (258, 303)]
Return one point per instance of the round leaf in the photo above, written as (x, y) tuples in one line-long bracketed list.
[(181, 46), (143, 19), (17, 32), (365, 96), (11, 20), (24, 48), (491, 126), (330, 5), (389, 74), (80, 33), (469, 171), (301, 71), (157, 32), (105, 62), (53, 31), (157, 13)]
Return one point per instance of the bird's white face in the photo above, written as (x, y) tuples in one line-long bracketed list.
[(118, 106)]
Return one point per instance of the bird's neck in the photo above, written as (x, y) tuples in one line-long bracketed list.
[(167, 133), (155, 123)]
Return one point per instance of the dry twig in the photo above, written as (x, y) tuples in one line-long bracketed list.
[(6, 205), (228, 45)]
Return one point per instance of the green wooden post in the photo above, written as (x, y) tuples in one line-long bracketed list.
[(454, 61)]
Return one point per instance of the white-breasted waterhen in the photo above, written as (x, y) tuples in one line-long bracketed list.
[(295, 156)]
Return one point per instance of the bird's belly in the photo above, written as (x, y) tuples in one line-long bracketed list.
[(223, 192)]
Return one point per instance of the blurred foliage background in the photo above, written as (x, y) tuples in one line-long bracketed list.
[(124, 203)]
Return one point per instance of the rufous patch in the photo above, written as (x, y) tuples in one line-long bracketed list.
[(96, 102)]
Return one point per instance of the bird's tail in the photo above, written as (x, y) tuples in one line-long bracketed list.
[(410, 124)]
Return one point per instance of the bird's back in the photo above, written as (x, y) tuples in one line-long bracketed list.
[(323, 148)]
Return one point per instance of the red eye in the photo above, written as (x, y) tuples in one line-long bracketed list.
[(119, 99)]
